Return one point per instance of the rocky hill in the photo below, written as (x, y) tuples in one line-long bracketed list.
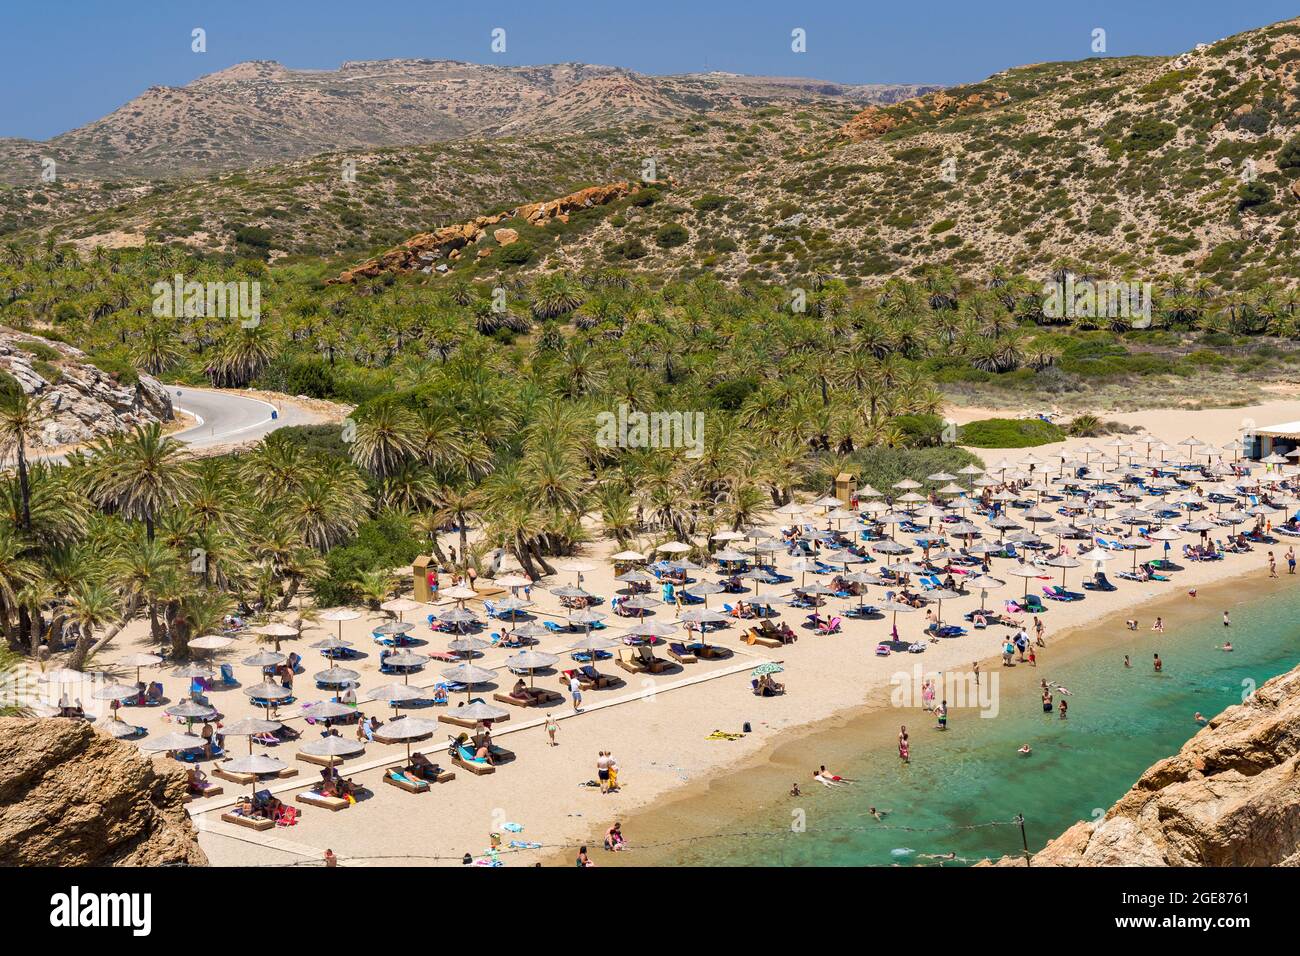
[(83, 401), (260, 112), (1230, 797), (72, 797), (1135, 167)]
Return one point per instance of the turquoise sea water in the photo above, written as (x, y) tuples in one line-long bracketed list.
[(1120, 722)]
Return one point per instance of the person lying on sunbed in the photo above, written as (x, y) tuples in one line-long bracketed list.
[(196, 780)]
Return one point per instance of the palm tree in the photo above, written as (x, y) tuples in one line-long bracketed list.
[(387, 435), (21, 418), (139, 474), (87, 608)]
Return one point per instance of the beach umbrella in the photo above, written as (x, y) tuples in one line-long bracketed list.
[(394, 628), (268, 693), (568, 591), (895, 608), (138, 661), (277, 632), (190, 710), (408, 659), (628, 556), (637, 576), (115, 692), (512, 605), (458, 615), (407, 729), (938, 596), (211, 642), (702, 589), (466, 645), (478, 710), (191, 671), (340, 614), (642, 602), (767, 667), (531, 661), (469, 675), (790, 510), (251, 727), (336, 676), (673, 547), (889, 547), (395, 694), (460, 593), (513, 581), (592, 643), (174, 741), (1062, 561), (265, 659), (1025, 571), (333, 747), (727, 535), (586, 617), (984, 583), (119, 729), (729, 555), (651, 629), (256, 764), (532, 631), (758, 576), (400, 606), (328, 710), (703, 616), (815, 589), (331, 645)]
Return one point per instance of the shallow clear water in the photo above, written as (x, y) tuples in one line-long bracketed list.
[(1120, 722)]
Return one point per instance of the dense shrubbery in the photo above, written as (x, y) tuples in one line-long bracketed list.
[(1009, 433)]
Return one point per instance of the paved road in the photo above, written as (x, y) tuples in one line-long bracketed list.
[(225, 418)]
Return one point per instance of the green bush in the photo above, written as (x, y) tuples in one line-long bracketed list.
[(117, 365), (920, 431), (39, 350), (1009, 433), (671, 235), (380, 543), (882, 467), (518, 253)]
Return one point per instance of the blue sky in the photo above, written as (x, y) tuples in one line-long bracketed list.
[(66, 62)]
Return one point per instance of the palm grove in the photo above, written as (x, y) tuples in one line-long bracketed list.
[(474, 426)]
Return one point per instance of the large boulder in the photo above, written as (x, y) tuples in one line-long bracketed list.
[(70, 796)]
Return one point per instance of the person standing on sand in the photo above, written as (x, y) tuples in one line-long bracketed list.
[(551, 727), (942, 714), (575, 688), (330, 859), (1226, 621), (1033, 658), (1272, 565), (602, 771), (975, 668), (1290, 560)]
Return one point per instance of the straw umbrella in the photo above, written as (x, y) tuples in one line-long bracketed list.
[(276, 632), (531, 661), (469, 675), (268, 693), (395, 694), (335, 748), (702, 589), (1026, 571), (407, 729), (340, 614), (138, 661), (895, 608), (1062, 561), (406, 660), (400, 606), (174, 741), (250, 727), (984, 583), (938, 596)]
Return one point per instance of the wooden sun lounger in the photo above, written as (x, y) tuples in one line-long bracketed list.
[(539, 698), (406, 783), (681, 658), (473, 766), (630, 664), (211, 790), (253, 823), (752, 636), (314, 799), (464, 721), (246, 778)]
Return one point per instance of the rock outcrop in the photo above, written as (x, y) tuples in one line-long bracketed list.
[(1230, 797), (70, 796), (877, 120), (81, 402), (427, 247)]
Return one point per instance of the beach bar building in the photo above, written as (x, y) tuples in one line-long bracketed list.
[(1262, 441)]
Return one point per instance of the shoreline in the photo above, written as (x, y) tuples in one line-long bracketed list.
[(726, 803)]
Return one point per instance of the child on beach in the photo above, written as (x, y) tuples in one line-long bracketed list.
[(942, 714), (551, 727), (1159, 625)]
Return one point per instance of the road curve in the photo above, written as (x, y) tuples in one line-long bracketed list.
[(224, 418)]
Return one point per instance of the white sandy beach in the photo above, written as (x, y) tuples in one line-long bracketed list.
[(657, 726)]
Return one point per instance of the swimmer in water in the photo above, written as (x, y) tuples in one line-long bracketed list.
[(1158, 664), (1025, 750), (834, 776), (1227, 646), (794, 790), (825, 781), (878, 814), (1127, 662), (1200, 718)]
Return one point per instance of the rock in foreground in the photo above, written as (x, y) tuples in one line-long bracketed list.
[(70, 796)]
